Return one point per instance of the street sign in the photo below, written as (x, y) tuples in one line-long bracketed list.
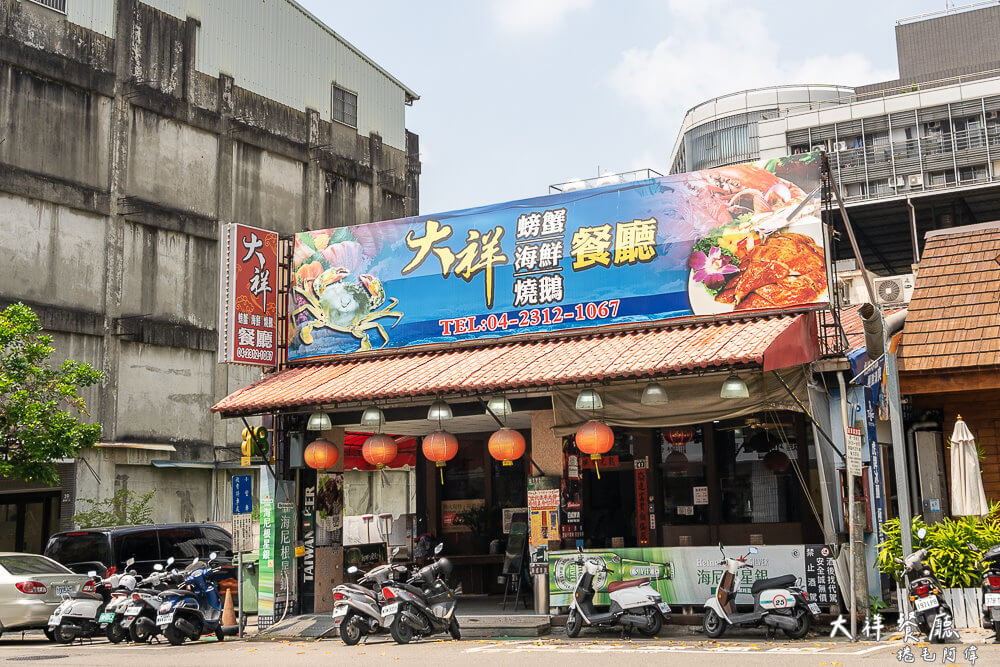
[(853, 450), (243, 533), (242, 494)]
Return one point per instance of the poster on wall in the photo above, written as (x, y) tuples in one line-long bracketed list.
[(543, 507), (451, 514), (276, 567), (690, 575), (248, 297), (329, 508), (740, 238)]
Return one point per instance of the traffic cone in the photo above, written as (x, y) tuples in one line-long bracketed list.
[(228, 610)]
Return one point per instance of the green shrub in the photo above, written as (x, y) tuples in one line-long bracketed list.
[(948, 554)]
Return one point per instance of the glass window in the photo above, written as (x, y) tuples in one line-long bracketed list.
[(185, 543), (753, 460), (345, 106), (26, 564), (8, 527), (80, 547), (465, 475), (140, 545), (682, 470), (221, 541), (34, 517), (510, 485)]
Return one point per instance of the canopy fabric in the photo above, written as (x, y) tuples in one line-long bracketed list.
[(968, 498), (406, 452), (602, 356), (690, 400)]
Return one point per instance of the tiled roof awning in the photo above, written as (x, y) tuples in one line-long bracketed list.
[(953, 321), (771, 342)]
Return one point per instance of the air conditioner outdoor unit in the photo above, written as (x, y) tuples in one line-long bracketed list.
[(934, 125), (818, 147), (916, 180), (840, 145), (991, 115), (843, 294), (895, 290)]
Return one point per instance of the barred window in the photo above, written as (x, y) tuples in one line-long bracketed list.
[(345, 106), (58, 5)]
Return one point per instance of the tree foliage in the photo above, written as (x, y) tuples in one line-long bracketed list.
[(125, 508), (41, 412)]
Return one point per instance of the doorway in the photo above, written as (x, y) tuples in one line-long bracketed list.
[(27, 520), (610, 517)]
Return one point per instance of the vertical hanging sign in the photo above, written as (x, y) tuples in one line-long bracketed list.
[(641, 503), (248, 297)]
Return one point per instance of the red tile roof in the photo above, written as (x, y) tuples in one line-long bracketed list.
[(781, 340), (954, 317)]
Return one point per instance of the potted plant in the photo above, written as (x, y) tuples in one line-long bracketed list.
[(481, 521)]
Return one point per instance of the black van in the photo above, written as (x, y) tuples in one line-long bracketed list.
[(100, 548)]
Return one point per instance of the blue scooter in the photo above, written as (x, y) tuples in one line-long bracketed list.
[(194, 609)]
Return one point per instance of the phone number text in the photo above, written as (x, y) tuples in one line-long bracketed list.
[(581, 312)]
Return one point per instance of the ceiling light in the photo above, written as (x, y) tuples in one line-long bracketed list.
[(319, 421), (589, 399), (654, 394), (372, 418), (499, 406), (734, 387), (439, 411)]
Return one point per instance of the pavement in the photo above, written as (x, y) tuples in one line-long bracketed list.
[(676, 646)]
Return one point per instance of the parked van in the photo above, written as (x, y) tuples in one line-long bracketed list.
[(100, 548)]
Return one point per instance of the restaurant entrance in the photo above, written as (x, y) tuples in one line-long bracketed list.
[(609, 518)]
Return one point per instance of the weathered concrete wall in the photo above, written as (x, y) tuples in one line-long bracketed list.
[(172, 164), (267, 188), (164, 394), (80, 347), (51, 254)]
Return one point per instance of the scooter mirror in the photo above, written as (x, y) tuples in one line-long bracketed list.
[(158, 567), (395, 551), (579, 549), (129, 562), (922, 533), (170, 561), (439, 548), (754, 550), (212, 556), (352, 569)]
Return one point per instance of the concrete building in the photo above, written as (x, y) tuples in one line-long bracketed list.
[(917, 153), (130, 133)]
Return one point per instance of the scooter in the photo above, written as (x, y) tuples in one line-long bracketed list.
[(194, 609), (933, 613), (121, 596), (777, 603), (76, 617), (356, 607), (991, 589), (423, 606), (139, 619), (635, 605)]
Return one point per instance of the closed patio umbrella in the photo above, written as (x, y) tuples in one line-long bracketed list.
[(967, 495)]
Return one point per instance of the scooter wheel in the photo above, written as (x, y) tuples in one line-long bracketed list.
[(454, 630), (62, 635), (996, 632), (138, 635), (574, 623), (713, 624), (654, 624), (400, 631), (115, 633), (219, 634), (173, 635), (350, 630), (803, 622)]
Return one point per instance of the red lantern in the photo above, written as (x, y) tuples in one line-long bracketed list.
[(379, 450), (321, 454), (680, 436), (595, 438), (506, 445), (776, 461), (440, 447)]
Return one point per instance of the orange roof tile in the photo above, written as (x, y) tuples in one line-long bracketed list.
[(954, 314), (768, 341)]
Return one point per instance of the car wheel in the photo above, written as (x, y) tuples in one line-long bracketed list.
[(801, 629), (454, 630), (49, 635), (654, 623), (174, 635), (350, 629), (713, 624), (574, 623)]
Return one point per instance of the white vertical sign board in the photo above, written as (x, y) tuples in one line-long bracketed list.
[(853, 450)]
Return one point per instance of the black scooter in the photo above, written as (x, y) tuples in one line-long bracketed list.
[(990, 560), (926, 594), (423, 606)]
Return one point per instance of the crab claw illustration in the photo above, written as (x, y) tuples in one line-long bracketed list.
[(374, 288)]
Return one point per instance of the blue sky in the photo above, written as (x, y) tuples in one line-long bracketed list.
[(519, 94)]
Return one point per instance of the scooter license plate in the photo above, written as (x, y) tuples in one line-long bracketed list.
[(923, 604), (814, 608), (54, 619), (133, 611), (164, 619), (664, 607), (340, 612), (991, 600), (390, 609), (106, 617)]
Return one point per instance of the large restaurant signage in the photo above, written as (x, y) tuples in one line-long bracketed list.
[(248, 263), (740, 238)]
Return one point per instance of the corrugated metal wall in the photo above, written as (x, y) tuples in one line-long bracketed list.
[(277, 50)]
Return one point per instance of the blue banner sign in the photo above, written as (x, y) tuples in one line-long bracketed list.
[(242, 494), (733, 239)]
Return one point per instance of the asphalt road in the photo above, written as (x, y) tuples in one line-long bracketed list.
[(675, 649)]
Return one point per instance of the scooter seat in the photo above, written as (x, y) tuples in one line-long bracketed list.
[(359, 588), (630, 583), (777, 582), (85, 596), (177, 592)]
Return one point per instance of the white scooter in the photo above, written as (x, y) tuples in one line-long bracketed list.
[(635, 605), (777, 603)]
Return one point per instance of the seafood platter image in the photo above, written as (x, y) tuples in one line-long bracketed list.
[(765, 248)]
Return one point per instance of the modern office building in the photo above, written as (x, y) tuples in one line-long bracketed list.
[(130, 133), (917, 153)]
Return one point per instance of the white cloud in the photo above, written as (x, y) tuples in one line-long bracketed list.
[(535, 16), (704, 58)]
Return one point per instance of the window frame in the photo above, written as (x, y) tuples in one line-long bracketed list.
[(333, 105)]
